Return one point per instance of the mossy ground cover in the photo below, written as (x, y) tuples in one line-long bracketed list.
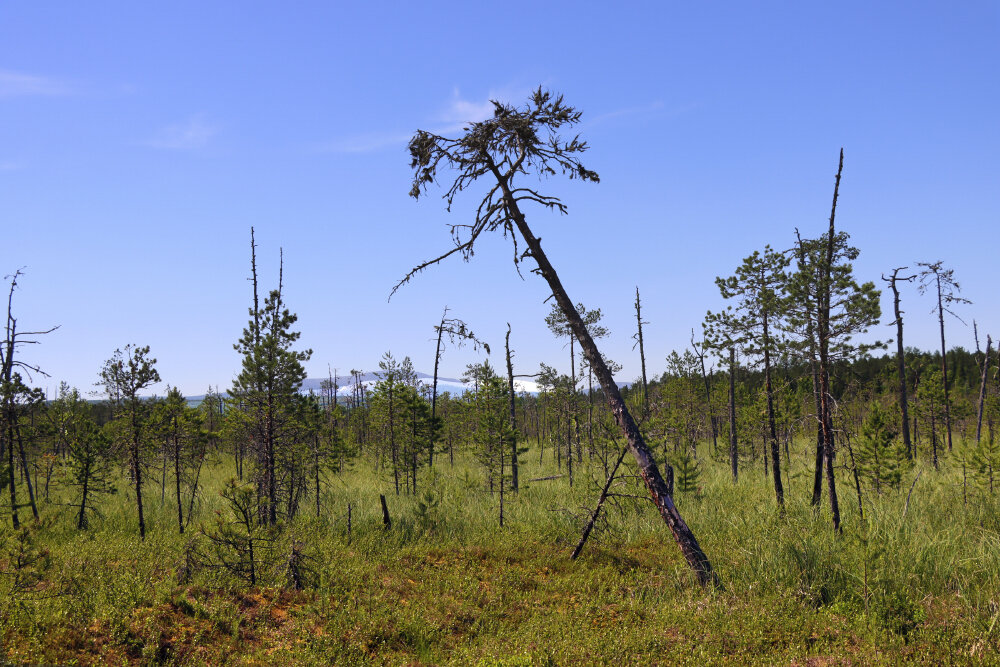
[(447, 585)]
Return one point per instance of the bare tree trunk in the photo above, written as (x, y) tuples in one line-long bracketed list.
[(779, 490), (982, 390), (944, 364), (597, 510), (270, 472), (392, 441), (818, 469), (700, 353), (316, 480), (14, 520), (642, 357), (814, 369), (10, 416), (27, 473), (137, 474), (569, 436), (194, 487), (590, 412), (823, 323), (857, 478), (163, 477), (900, 359), (177, 482), (648, 469), (81, 519), (934, 440), (575, 413), (239, 458), (828, 450), (434, 390), (413, 448), (386, 521), (513, 415), (502, 485), (733, 446)]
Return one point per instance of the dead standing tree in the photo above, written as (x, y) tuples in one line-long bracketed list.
[(559, 326), (900, 360), (984, 367), (14, 395), (514, 142), (458, 333), (699, 352), (827, 309), (642, 357), (515, 452), (823, 326), (947, 289)]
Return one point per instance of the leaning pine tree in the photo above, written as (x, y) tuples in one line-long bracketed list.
[(514, 142)]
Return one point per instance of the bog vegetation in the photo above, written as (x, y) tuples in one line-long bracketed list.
[(824, 499)]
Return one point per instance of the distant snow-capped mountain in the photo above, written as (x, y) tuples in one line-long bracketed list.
[(451, 385)]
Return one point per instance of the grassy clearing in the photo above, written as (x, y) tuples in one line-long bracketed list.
[(448, 585)]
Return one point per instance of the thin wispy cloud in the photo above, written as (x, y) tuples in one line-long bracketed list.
[(19, 84), (9, 165), (454, 115), (192, 134), (461, 111)]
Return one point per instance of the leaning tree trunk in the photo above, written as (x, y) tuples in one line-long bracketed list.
[(597, 510), (648, 469), (27, 472)]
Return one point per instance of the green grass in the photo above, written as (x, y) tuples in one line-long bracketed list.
[(448, 585)]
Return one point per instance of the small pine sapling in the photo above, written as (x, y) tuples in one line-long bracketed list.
[(242, 543), (23, 564), (687, 472), (985, 458), (880, 455)]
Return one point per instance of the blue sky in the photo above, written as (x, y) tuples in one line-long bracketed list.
[(139, 143)]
